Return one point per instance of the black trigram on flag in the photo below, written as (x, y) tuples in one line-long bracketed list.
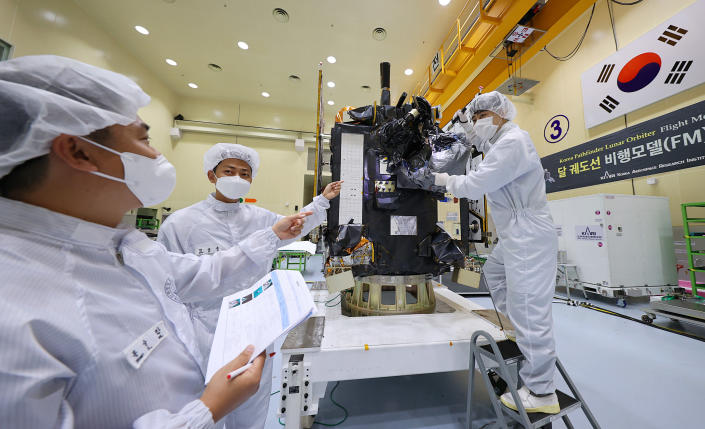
[(605, 73), (609, 104), (680, 68), (672, 35)]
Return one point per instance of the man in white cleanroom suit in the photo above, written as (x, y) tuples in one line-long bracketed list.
[(221, 221), (93, 330), (521, 271)]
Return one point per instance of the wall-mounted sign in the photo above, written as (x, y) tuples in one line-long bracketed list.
[(663, 62), (436, 62), (556, 128), (670, 142), (520, 34)]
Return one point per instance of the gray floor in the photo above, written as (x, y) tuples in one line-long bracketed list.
[(631, 375)]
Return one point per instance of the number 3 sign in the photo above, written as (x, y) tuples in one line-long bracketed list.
[(556, 128)]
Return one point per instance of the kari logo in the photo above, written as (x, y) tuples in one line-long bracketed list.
[(547, 176), (639, 72), (607, 175), (588, 232)]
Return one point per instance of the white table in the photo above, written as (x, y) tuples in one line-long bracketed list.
[(354, 348)]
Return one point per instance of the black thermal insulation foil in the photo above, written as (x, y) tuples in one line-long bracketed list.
[(385, 214)]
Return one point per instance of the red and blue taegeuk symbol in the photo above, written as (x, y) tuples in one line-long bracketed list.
[(639, 72)]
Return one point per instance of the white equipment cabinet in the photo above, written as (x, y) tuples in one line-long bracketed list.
[(622, 245)]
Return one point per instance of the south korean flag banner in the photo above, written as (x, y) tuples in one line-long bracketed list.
[(663, 62)]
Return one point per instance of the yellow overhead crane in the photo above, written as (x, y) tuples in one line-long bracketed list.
[(478, 32)]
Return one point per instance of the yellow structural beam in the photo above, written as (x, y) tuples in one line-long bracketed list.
[(489, 19), (500, 19), (554, 18)]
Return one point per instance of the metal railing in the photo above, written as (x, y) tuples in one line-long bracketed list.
[(467, 21)]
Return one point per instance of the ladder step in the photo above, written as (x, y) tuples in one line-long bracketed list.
[(509, 350), (567, 403)]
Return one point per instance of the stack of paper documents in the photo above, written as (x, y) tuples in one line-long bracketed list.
[(259, 315)]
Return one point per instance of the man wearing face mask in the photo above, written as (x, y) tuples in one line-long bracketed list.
[(521, 271), (221, 221), (93, 328)]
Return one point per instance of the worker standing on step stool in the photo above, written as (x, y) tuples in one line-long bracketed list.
[(521, 271), (220, 222)]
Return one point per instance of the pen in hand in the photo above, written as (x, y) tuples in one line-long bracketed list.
[(239, 371)]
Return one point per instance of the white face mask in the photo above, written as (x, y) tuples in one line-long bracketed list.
[(151, 180), (485, 128), (232, 187)]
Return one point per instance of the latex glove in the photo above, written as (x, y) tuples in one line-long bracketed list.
[(474, 151), (461, 117), (464, 121), (440, 179)]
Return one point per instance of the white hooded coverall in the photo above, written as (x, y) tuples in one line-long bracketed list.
[(78, 299), (212, 225), (521, 271)]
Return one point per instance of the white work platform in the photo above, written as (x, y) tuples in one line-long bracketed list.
[(332, 347)]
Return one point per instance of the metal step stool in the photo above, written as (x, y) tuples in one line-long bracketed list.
[(504, 354)]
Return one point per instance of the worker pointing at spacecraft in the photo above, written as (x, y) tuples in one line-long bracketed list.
[(521, 271), (220, 222)]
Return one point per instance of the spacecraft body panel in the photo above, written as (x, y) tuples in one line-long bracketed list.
[(397, 222)]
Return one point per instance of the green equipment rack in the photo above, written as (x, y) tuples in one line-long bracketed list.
[(291, 260), (689, 237)]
